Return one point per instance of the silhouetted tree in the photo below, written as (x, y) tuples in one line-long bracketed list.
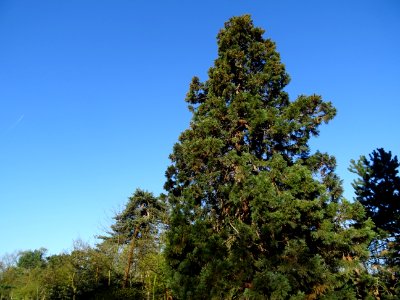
[(378, 189)]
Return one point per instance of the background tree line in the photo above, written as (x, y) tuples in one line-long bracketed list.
[(249, 211), (126, 264)]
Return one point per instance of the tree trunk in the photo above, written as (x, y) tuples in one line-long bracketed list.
[(154, 285), (73, 286), (130, 258)]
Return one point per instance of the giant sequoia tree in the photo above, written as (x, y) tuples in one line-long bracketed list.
[(253, 211)]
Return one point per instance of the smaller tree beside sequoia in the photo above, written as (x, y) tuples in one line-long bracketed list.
[(137, 227), (378, 189)]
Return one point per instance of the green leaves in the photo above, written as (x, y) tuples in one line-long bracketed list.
[(32, 259), (143, 211), (377, 189), (244, 186)]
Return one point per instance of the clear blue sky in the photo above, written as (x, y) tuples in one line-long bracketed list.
[(92, 97)]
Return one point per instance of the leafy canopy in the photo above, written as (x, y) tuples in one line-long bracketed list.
[(253, 212), (378, 188)]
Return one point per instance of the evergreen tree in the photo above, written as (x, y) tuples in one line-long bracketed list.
[(253, 212), (138, 224), (378, 189)]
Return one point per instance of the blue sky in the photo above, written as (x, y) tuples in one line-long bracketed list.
[(92, 97)]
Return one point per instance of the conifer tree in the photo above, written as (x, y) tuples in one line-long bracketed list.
[(253, 212), (377, 188), (138, 222)]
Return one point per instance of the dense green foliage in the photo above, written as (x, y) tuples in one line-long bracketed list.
[(254, 213), (138, 226), (127, 264), (250, 212), (31, 259), (377, 188)]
